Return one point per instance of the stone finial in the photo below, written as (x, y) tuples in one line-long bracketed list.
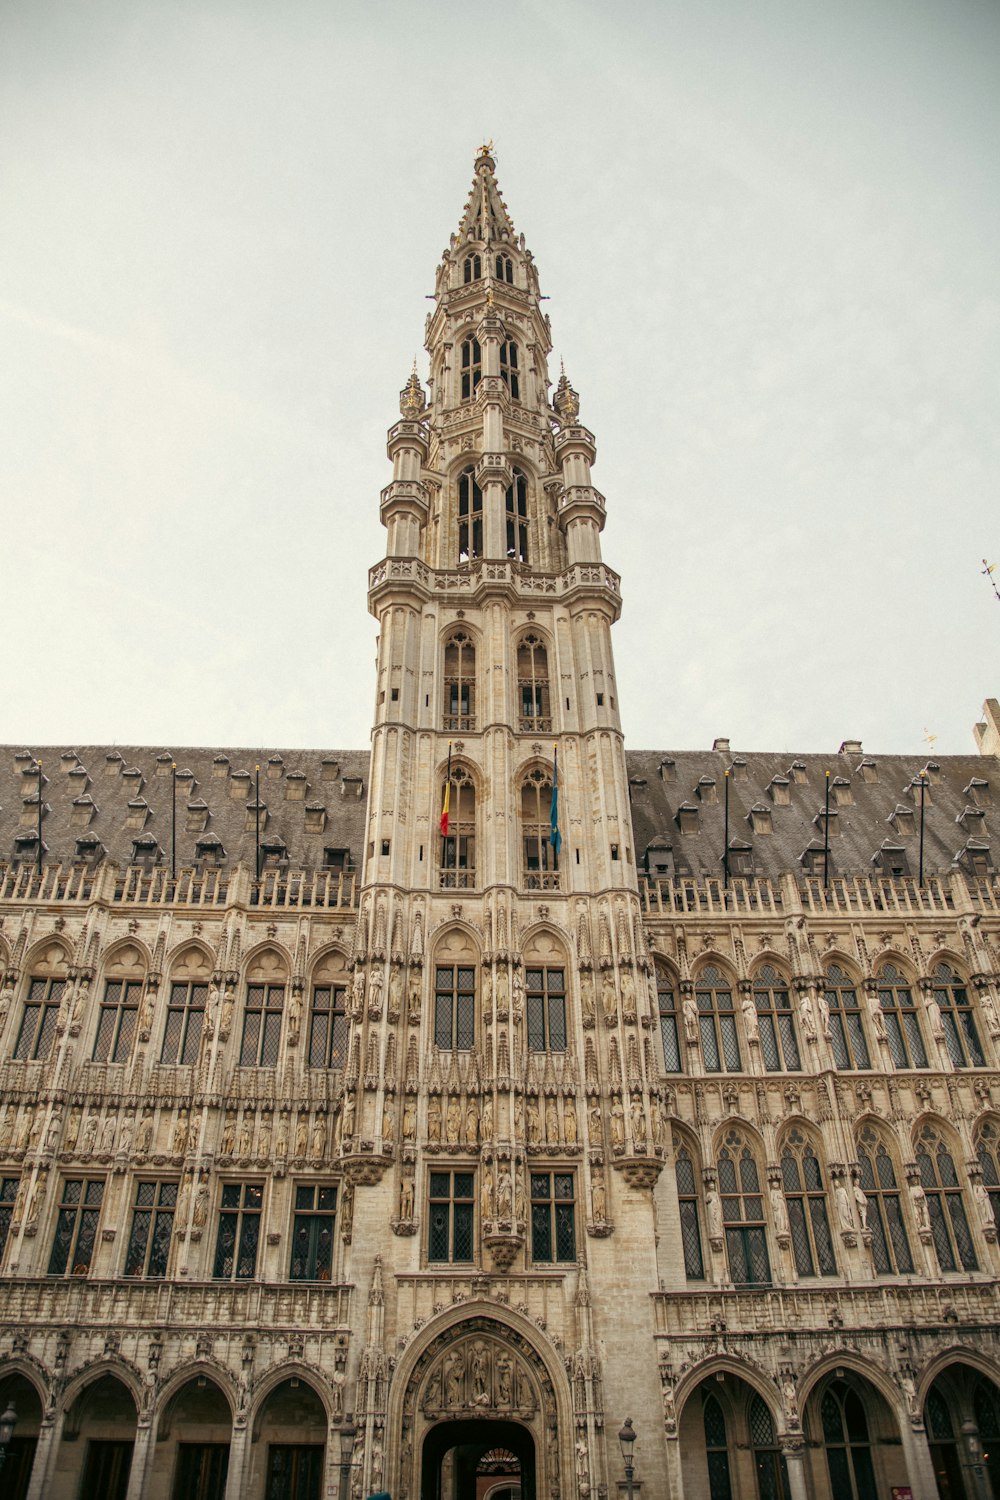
[(412, 400), (566, 401)]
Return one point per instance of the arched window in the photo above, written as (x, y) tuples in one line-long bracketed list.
[(119, 1018), (986, 1411), (454, 1007), (945, 1208), (472, 367), (778, 1045), (540, 860), (890, 1245), (470, 517), (186, 1007), (958, 1018), (545, 1008), (328, 1026), (716, 1450), (847, 1032), (533, 686), (988, 1151), (743, 1214), (805, 1202), (262, 1025), (505, 269), (458, 846), (472, 269), (768, 1459), (459, 684), (517, 518), (38, 1023), (899, 1015), (508, 368), (847, 1444), (687, 1204), (666, 995), (720, 1045)]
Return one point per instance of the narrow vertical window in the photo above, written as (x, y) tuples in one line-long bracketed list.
[(472, 367), (8, 1197), (945, 1205), (899, 1013), (540, 861), (117, 1025), (504, 269), (38, 1024), (545, 1006), (459, 684), (720, 1046), (958, 1018), (455, 1007), (805, 1202), (553, 1217), (533, 686), (472, 269), (76, 1227), (152, 1229), (458, 845), (450, 1216), (778, 1044), (988, 1151), (890, 1244), (743, 1214), (687, 1203), (312, 1233), (847, 1444), (666, 997), (262, 1025), (768, 1459), (716, 1450), (328, 1027), (185, 1019), (517, 518), (239, 1231), (847, 1032), (470, 517), (508, 368)]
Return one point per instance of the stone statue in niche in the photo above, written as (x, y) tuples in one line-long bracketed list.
[(750, 1023), (229, 1136), (453, 1121), (406, 1198), (690, 1009), (395, 992), (472, 1122), (609, 999), (628, 995), (617, 1124), (569, 1121), (505, 1203), (388, 1119), (638, 1122), (587, 997), (486, 1122), (598, 1196), (534, 1123), (551, 1121), (434, 1118), (409, 1118)]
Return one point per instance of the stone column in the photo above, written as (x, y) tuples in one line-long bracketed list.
[(238, 1446), (45, 1451), (793, 1450), (919, 1468), (675, 1471), (142, 1455)]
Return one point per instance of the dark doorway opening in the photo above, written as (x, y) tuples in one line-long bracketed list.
[(463, 1459)]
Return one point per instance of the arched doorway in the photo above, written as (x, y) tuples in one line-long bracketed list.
[(17, 1391), (463, 1459), (962, 1418), (854, 1448), (192, 1442), (729, 1439), (98, 1435), (288, 1441)]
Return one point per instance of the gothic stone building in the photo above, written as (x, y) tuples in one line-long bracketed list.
[(327, 1138)]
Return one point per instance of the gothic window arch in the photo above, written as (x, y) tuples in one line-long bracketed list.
[(743, 1213), (988, 1152), (472, 367), (716, 1448), (806, 1206), (768, 1459), (720, 1046), (504, 267), (687, 1205), (472, 268), (455, 970), (847, 1442), (187, 998), (779, 1046), (847, 1030), (470, 517), (458, 845), (945, 1205), (263, 1011), (47, 980), (509, 372), (517, 518), (534, 708), (459, 683), (540, 860), (899, 1016), (670, 1030), (957, 1017), (877, 1177), (327, 1038), (118, 1016)]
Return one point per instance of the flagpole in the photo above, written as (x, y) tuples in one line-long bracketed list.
[(445, 804), (39, 820), (256, 810), (826, 836), (173, 820), (725, 852)]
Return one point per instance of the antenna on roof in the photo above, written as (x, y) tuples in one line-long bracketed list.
[(988, 570)]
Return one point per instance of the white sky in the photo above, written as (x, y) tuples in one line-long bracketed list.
[(769, 230)]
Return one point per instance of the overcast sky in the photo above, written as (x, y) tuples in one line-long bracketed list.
[(769, 230)]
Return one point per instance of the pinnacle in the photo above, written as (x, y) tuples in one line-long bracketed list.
[(485, 217)]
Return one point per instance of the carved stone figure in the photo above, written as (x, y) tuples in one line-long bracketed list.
[(281, 1139), (125, 1136), (551, 1121), (594, 1125), (453, 1121), (479, 1371), (609, 999), (301, 1135), (201, 1202), (388, 1119), (180, 1134), (294, 1013), (7, 1129), (486, 1122), (229, 1136), (472, 1122), (318, 1141), (413, 996), (246, 1136), (534, 1123), (264, 1138), (505, 1380), (517, 994), (808, 1019), (919, 1200), (90, 1135), (877, 1018), (984, 1205), (520, 1207), (638, 1119), (226, 1023), (750, 1023), (598, 1195), (617, 1124), (779, 1211), (587, 996), (569, 1121), (861, 1203), (713, 1208), (347, 1127), (690, 1010), (823, 1006), (935, 1019), (505, 1193), (143, 1136), (395, 992), (406, 1198), (52, 1134), (108, 1135), (501, 991), (843, 1202), (409, 1118), (486, 1195), (375, 983), (434, 1118), (454, 1371), (628, 995), (519, 1117), (183, 1203), (656, 1122)]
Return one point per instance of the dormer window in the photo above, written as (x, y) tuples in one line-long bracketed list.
[(209, 850), (841, 789), (472, 270), (826, 820), (978, 792), (687, 817), (508, 368), (972, 819), (740, 858), (891, 859), (976, 859), (902, 821), (813, 859), (145, 852), (706, 790), (659, 859), (739, 770), (517, 518), (779, 791), (868, 771), (759, 818), (273, 852), (797, 772), (472, 367), (470, 517), (504, 269), (90, 849)]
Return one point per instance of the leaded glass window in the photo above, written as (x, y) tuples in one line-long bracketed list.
[(185, 1019), (847, 1031), (76, 1227), (38, 1024), (312, 1233), (545, 1008), (553, 1217), (847, 1444), (716, 1450), (451, 1216), (768, 1459), (805, 1202), (117, 1025), (472, 268), (504, 268), (153, 1209), (459, 683), (877, 1175), (540, 858), (239, 1231), (8, 1197), (778, 1044), (945, 1206), (517, 518), (958, 1018), (508, 368), (472, 367), (743, 1214), (470, 516), (988, 1151), (262, 1025), (533, 686), (328, 1027), (687, 1203), (458, 845), (899, 1014), (666, 996), (720, 1046), (454, 1007)]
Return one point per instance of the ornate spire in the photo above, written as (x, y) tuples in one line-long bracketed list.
[(486, 217), (566, 401), (412, 400)]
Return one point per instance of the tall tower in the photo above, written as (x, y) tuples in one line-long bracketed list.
[(500, 1059)]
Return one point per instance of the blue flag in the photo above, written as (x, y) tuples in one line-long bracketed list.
[(555, 837)]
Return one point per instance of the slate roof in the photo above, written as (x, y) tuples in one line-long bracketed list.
[(315, 800)]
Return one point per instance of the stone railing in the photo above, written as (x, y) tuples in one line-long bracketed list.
[(202, 889), (766, 1309), (201, 1305), (856, 895)]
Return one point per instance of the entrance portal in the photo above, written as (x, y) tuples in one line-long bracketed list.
[(466, 1460)]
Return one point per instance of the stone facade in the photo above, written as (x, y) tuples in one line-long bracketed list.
[(346, 1141)]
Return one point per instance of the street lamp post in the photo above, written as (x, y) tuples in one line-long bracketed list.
[(7, 1424), (347, 1435), (626, 1441)]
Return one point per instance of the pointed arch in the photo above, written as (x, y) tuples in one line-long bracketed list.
[(457, 848), (46, 976), (673, 1041), (686, 1154), (456, 967), (771, 988), (534, 701), (881, 1179), (539, 861), (806, 1197), (940, 1198), (741, 1184), (894, 987), (459, 679), (842, 1012), (715, 998)]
